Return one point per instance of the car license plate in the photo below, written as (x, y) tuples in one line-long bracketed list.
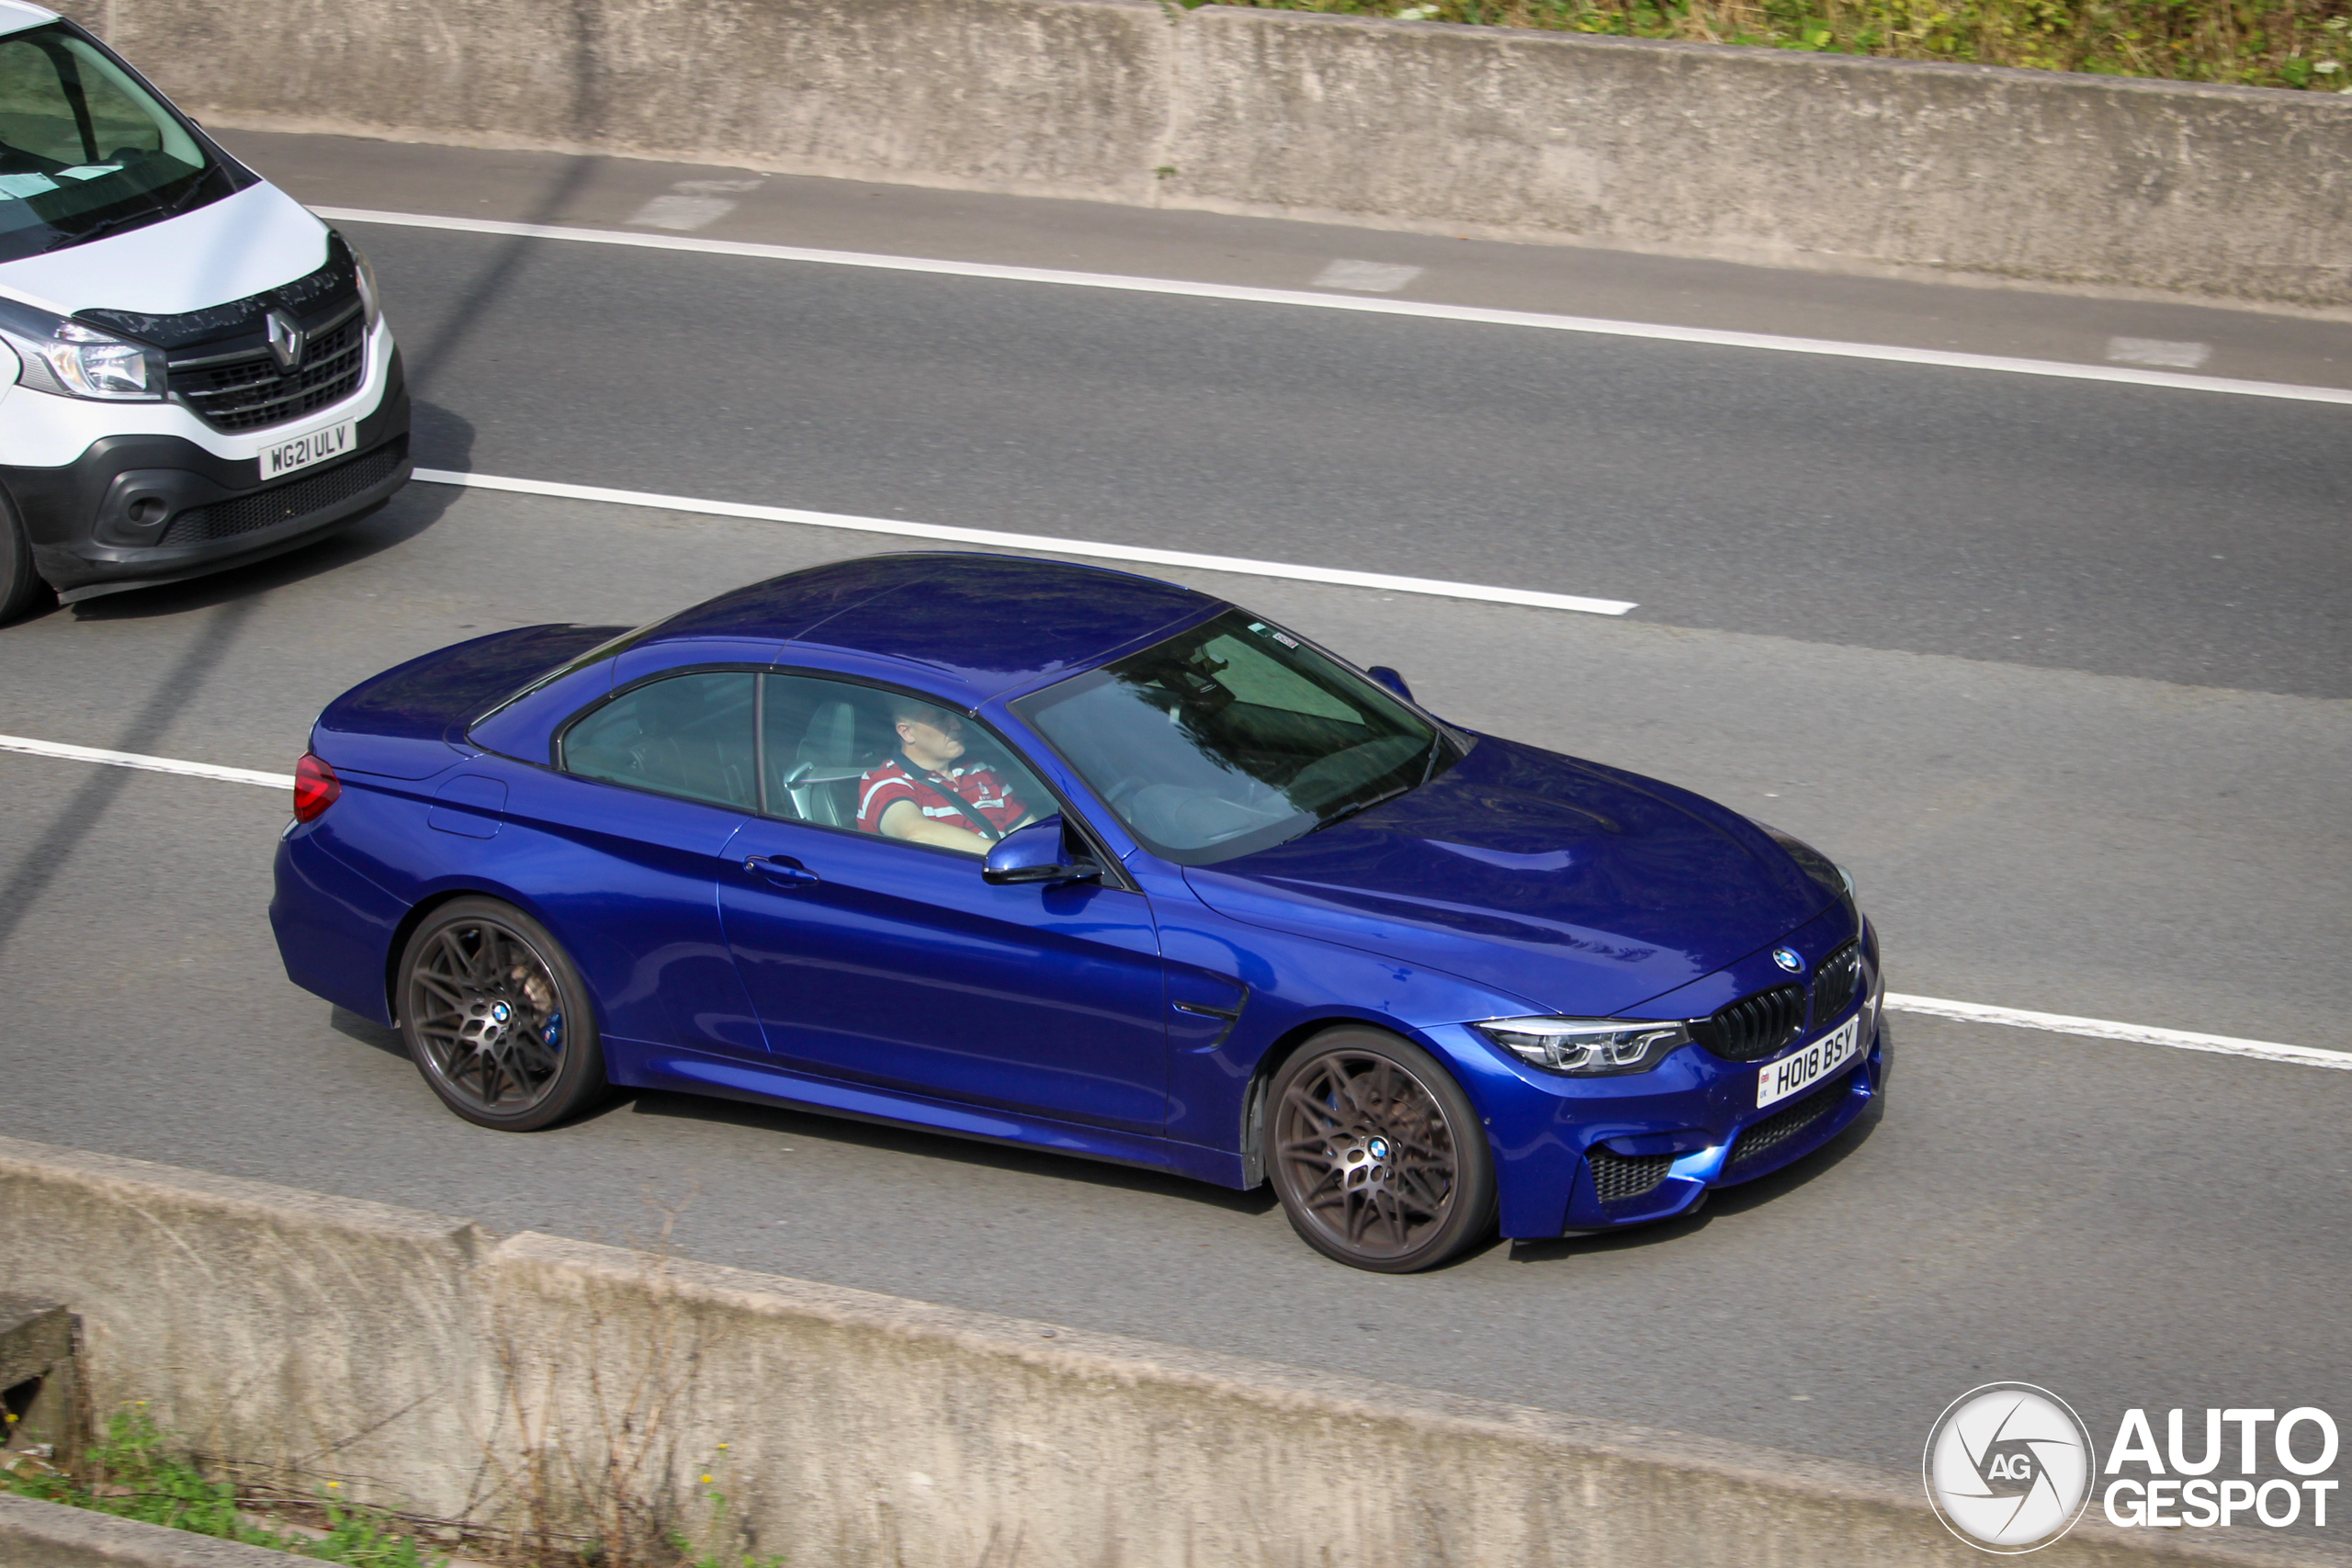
[(307, 451), (1804, 1069)]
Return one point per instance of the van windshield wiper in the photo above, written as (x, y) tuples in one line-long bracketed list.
[(104, 226), (138, 219)]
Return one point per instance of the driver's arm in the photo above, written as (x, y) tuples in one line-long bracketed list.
[(904, 820)]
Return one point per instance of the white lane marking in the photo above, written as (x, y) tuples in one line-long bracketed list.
[(148, 764), (1092, 548), (2158, 351), (683, 211), (1370, 277), (1973, 1012), (2102, 1029), (1886, 352)]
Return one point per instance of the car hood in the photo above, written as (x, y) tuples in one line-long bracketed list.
[(224, 249), (1584, 889)]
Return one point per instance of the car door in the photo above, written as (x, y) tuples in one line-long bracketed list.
[(873, 961), (621, 846)]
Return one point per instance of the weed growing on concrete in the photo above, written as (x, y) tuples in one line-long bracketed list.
[(586, 1462), (586, 1478), (2304, 44), (715, 1549), (134, 1474)]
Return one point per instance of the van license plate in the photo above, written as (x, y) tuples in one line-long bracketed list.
[(307, 451), (1804, 1069)]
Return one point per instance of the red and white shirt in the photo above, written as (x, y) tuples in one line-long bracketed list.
[(888, 782)]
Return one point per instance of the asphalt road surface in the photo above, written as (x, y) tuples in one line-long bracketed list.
[(2059, 669)]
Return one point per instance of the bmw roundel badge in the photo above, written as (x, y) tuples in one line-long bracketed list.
[(1786, 957)]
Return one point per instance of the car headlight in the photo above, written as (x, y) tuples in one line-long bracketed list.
[(73, 359), (1832, 877), (1587, 1048)]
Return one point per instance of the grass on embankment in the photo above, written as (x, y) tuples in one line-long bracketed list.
[(135, 1472), (133, 1475), (2303, 44)]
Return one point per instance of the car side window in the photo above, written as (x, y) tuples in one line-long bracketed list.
[(693, 736), (837, 756)]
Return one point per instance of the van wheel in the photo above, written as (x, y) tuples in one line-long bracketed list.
[(1376, 1154), (21, 588)]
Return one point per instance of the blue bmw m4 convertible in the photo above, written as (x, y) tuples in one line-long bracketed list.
[(1021, 850)]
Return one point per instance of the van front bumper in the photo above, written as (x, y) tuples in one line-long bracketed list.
[(137, 510)]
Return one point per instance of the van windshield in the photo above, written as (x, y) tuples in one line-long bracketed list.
[(85, 150)]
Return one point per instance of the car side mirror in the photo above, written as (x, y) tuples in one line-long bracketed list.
[(1039, 852), (1390, 679)]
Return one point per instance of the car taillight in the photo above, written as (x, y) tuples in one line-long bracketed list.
[(315, 788)]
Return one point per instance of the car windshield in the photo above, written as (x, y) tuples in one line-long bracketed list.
[(85, 150), (1235, 735)]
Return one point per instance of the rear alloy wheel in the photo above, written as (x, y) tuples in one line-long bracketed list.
[(496, 1018), (1376, 1153), (21, 588)]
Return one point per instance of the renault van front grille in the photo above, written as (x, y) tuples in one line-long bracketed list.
[(251, 390)]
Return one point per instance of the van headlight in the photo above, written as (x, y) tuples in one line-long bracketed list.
[(73, 359), (371, 303), (1585, 1047)]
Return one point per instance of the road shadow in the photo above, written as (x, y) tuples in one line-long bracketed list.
[(946, 1148), (368, 1031), (430, 354), (1727, 1203)]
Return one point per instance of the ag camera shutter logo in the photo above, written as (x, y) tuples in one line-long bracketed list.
[(2008, 1467)]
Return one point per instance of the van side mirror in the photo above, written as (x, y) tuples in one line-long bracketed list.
[(1039, 852), (1390, 679)]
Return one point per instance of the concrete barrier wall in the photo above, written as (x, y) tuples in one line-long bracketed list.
[(430, 1366), (1047, 96), (261, 1323), (1774, 155), (1761, 155)]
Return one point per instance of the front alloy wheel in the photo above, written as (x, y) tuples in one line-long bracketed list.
[(495, 1017), (1376, 1153)]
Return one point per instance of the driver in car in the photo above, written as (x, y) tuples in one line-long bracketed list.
[(924, 793)]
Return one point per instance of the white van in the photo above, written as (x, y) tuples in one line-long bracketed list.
[(194, 370)]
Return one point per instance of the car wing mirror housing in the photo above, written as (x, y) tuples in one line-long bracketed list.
[(1041, 851), (1390, 679)]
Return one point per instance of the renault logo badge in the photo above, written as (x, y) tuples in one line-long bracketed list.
[(1786, 957), (286, 340)]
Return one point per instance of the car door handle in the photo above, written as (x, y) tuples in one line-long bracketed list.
[(781, 870)]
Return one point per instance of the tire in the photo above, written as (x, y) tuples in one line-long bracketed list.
[(1376, 1153), (496, 1018), (21, 588)]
